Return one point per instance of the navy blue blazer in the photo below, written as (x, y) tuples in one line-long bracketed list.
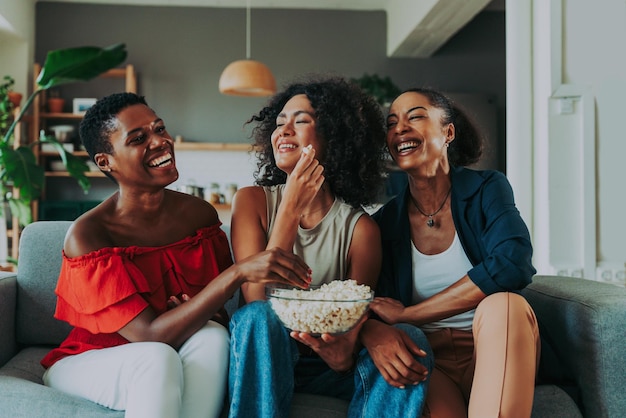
[(490, 228)]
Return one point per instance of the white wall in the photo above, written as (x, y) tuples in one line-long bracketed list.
[(17, 33), (568, 174), (596, 57), (202, 168)]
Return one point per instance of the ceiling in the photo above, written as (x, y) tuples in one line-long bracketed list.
[(415, 28)]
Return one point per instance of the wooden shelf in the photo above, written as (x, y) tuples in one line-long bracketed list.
[(221, 206), (67, 174), (211, 146), (60, 116), (56, 154), (180, 146)]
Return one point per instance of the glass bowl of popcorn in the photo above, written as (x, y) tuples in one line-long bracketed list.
[(331, 308)]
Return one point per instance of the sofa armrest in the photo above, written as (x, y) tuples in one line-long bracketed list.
[(8, 293), (582, 332)]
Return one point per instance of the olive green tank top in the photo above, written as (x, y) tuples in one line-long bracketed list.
[(325, 246)]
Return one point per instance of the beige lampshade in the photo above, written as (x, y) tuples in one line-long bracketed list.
[(247, 78)]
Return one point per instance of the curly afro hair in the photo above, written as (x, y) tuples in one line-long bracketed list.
[(99, 122), (352, 125)]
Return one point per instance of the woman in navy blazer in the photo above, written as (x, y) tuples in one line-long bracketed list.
[(455, 255)]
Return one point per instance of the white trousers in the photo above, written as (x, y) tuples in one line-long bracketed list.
[(150, 379)]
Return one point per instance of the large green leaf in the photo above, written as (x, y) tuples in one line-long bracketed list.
[(79, 64), (20, 208), (20, 167)]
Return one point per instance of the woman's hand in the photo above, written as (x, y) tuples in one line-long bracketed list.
[(275, 265), (336, 350), (393, 354), (304, 182), (174, 301), (389, 310), (221, 317)]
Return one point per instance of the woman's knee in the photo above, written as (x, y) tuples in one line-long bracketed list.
[(255, 315), (504, 311), (159, 360), (419, 338), (212, 340), (504, 304), (416, 334)]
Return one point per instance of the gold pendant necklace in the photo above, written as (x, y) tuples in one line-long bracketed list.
[(430, 222)]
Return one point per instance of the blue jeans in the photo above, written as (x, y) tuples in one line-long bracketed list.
[(266, 369)]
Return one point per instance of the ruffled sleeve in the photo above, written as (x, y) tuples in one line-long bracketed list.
[(104, 290), (99, 291)]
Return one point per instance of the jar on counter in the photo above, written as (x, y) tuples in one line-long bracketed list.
[(214, 193), (229, 191), (194, 190)]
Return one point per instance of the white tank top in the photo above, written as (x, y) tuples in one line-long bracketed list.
[(434, 273)]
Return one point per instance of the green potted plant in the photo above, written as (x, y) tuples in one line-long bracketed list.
[(6, 90), (18, 166), (6, 104), (382, 88)]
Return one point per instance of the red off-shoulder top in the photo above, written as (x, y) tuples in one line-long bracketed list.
[(100, 292)]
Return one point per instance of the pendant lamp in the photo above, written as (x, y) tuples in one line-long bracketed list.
[(247, 77)]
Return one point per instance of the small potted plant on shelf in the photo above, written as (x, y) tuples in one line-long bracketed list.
[(55, 103), (18, 165), (6, 105), (8, 95)]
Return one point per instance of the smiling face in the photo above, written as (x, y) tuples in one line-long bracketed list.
[(143, 150), (295, 129), (416, 137)]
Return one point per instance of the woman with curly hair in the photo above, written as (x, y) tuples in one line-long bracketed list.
[(320, 154)]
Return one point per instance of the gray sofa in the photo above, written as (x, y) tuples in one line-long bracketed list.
[(581, 322)]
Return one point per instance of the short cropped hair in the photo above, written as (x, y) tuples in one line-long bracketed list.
[(99, 122)]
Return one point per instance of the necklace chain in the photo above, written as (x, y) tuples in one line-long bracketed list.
[(430, 221)]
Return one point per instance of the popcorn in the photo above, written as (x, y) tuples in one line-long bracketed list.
[(307, 149), (332, 308)]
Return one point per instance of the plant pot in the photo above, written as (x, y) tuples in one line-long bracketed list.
[(55, 105), (15, 98)]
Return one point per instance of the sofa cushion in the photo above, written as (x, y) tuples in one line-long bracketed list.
[(577, 325), (37, 275), (30, 400), (25, 365), (550, 401)]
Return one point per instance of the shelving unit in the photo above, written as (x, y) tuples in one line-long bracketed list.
[(14, 231), (61, 195), (211, 146), (43, 120)]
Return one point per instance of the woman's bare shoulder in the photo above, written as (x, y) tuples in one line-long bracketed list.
[(250, 192), (367, 229), (87, 233), (249, 198), (192, 210)]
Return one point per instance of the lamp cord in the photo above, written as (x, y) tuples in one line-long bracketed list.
[(248, 30)]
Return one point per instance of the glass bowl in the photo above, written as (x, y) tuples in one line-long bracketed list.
[(331, 308)]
